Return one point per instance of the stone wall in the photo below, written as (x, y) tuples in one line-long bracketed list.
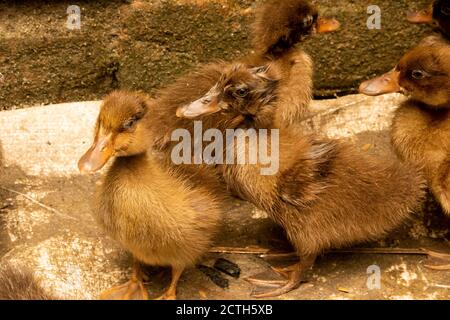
[(144, 44)]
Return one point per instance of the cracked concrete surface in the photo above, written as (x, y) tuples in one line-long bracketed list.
[(47, 225)]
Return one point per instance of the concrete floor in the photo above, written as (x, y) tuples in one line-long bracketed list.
[(47, 225)]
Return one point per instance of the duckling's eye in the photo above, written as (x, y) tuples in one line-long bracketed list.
[(130, 123), (308, 21), (241, 92), (418, 74)]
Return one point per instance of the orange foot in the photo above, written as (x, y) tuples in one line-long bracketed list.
[(132, 290), (292, 275)]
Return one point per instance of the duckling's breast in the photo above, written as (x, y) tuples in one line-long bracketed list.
[(149, 211)]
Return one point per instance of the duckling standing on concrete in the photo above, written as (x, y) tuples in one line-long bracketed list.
[(326, 194), (421, 126), (152, 211)]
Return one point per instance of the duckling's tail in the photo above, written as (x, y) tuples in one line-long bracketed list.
[(20, 284), (279, 25)]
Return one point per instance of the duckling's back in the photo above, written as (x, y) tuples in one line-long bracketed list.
[(155, 213), (329, 194), (346, 196)]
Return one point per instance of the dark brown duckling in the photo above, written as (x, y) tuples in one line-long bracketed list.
[(21, 284), (278, 27), (421, 125), (326, 194), (154, 212), (438, 13)]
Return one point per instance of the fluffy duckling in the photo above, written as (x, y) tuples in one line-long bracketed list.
[(154, 212), (278, 26), (438, 13), (421, 125), (20, 284), (326, 194)]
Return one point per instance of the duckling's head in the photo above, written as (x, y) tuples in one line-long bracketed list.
[(241, 90), (423, 74), (438, 13), (120, 130), (280, 24)]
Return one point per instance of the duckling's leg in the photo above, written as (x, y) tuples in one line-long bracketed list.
[(438, 261), (132, 290), (293, 275), (171, 293)]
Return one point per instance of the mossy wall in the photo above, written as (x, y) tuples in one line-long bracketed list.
[(145, 44)]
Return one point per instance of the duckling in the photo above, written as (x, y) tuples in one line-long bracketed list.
[(438, 13), (20, 284), (326, 193), (421, 125), (278, 26), (153, 211)]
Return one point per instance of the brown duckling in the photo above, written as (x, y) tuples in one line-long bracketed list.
[(326, 194), (20, 284), (421, 125), (154, 212), (278, 26), (438, 13)]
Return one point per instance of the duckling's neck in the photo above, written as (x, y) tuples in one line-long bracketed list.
[(130, 163), (438, 108)]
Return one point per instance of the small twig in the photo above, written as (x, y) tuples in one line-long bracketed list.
[(236, 250), (441, 286), (39, 203), (407, 251), (266, 253)]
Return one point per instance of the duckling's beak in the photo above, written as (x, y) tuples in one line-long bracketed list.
[(206, 105), (423, 16), (97, 155), (327, 25), (387, 83)]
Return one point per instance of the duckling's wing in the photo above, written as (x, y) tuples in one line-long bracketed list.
[(302, 184)]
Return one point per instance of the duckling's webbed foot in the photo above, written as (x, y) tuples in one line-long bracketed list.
[(438, 261), (132, 290), (293, 277), (171, 293)]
